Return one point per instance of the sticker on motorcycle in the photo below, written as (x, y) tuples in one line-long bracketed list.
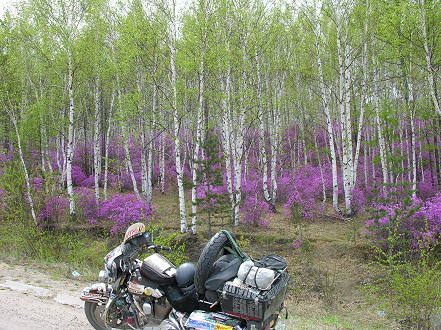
[(136, 288)]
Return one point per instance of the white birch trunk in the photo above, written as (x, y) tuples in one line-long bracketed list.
[(176, 121), (97, 142), (199, 128), (128, 160), (150, 150), (363, 97), (25, 171), (330, 131), (381, 142), (127, 157), (365, 158), (162, 162), (106, 159), (262, 142), (428, 54), (321, 170), (70, 137), (238, 144), (142, 125), (344, 108), (413, 150)]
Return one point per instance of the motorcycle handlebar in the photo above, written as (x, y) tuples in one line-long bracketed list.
[(158, 248)]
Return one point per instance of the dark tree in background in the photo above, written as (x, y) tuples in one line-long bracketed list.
[(212, 197)]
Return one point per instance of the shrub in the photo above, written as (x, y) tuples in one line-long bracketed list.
[(53, 210), (86, 204), (412, 219), (255, 213), (125, 210)]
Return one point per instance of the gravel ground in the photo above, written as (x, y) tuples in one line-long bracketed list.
[(23, 311), (27, 310)]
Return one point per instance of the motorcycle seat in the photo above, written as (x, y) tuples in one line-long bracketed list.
[(225, 268)]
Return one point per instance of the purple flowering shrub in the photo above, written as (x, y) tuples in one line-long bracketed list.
[(125, 210), (255, 213), (54, 209), (306, 190), (86, 204), (78, 176), (414, 222)]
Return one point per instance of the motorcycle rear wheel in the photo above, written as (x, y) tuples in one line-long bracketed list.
[(94, 314)]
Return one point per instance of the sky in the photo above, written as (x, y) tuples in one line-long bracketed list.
[(4, 4)]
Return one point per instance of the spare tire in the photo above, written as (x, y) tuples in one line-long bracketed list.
[(208, 256)]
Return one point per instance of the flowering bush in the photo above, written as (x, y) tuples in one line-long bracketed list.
[(53, 210), (86, 204), (414, 222), (78, 176), (255, 213), (125, 210)]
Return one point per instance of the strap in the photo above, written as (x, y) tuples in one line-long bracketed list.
[(235, 250)]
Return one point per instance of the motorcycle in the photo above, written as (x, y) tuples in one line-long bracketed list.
[(155, 294)]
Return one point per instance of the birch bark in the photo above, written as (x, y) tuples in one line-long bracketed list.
[(199, 127), (106, 157), (23, 166), (176, 119), (325, 102), (381, 142), (70, 135), (428, 55), (97, 142)]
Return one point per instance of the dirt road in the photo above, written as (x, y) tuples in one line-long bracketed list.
[(46, 305)]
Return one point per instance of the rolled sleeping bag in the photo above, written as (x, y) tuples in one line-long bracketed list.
[(257, 277)]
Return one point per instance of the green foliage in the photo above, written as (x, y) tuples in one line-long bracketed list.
[(172, 240), (411, 287), (212, 197)]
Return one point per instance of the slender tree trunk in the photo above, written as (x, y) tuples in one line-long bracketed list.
[(162, 162), (262, 140), (106, 158), (428, 54), (196, 151), (344, 108), (436, 152), (381, 142), (321, 171), (97, 142), (325, 102), (70, 137), (365, 159), (176, 122), (25, 171)]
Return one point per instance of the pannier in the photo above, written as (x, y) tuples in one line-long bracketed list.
[(250, 303)]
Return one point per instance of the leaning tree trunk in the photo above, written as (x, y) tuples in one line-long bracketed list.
[(25, 171)]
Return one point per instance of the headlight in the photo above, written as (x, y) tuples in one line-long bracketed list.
[(103, 276)]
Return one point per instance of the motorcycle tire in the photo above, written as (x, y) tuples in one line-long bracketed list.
[(93, 313), (208, 256)]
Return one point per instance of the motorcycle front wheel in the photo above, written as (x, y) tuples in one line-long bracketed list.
[(95, 315)]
